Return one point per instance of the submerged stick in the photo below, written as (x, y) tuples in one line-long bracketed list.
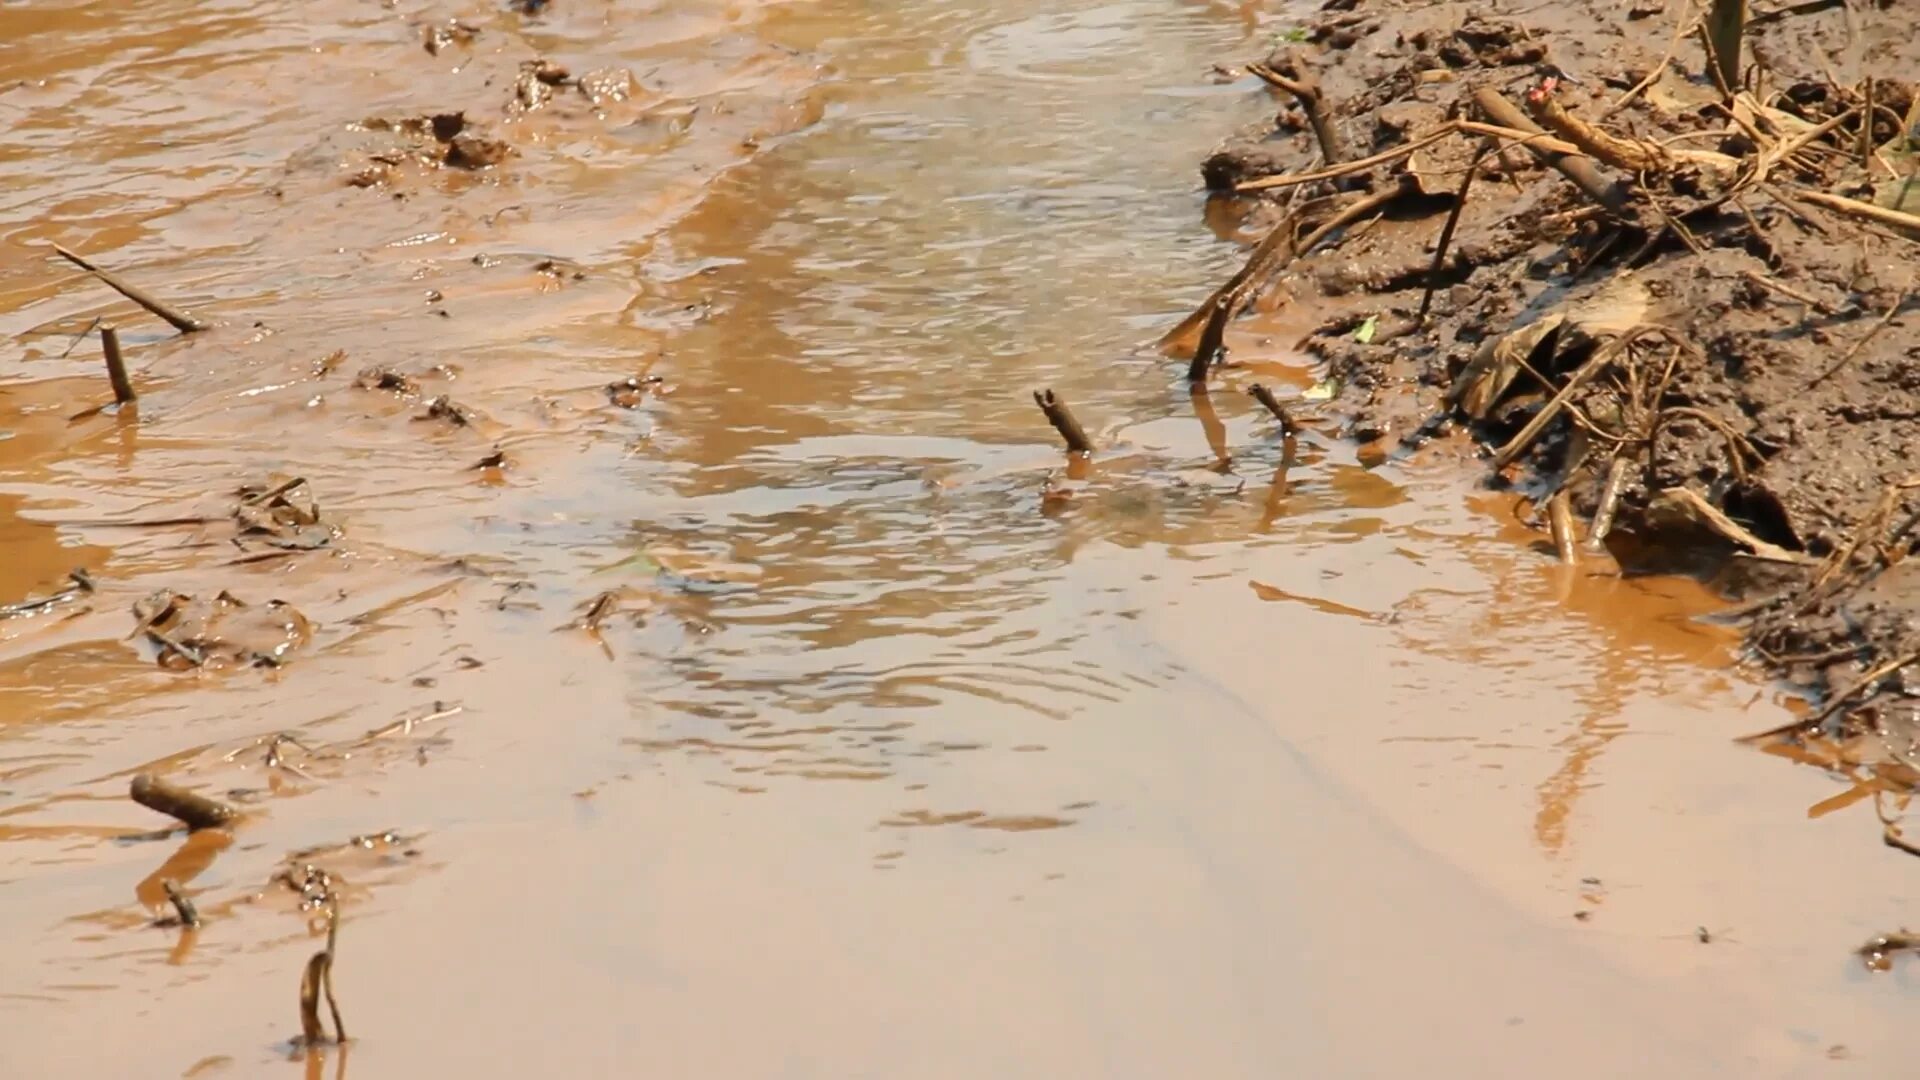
[(191, 809), (1560, 526), (1212, 337), (1609, 504), (1272, 404), (182, 907), (1575, 167), (1274, 250), (180, 320), (317, 978), (116, 366), (1063, 422), (1210, 424)]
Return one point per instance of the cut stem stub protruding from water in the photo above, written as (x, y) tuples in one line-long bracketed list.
[(179, 320), (116, 365), (1063, 421), (317, 978), (1272, 404)]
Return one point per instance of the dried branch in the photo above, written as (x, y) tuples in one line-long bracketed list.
[(1063, 422), (1574, 167), (1305, 88), (1272, 404), (194, 810), (180, 320)]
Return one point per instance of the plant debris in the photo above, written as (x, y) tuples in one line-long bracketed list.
[(439, 37), (317, 979), (284, 515), (223, 631), (1879, 950), (80, 585), (184, 913), (178, 319), (444, 408), (1687, 319), (386, 378), (191, 809)]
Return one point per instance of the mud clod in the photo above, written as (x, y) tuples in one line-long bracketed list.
[(187, 633)]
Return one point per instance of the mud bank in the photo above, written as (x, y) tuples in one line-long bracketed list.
[(1682, 316)]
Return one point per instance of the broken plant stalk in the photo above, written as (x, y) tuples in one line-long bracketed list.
[(1610, 492), (1063, 421), (1226, 305), (1305, 89), (180, 320), (1560, 526), (1272, 404), (1726, 22), (1575, 167), (191, 809), (317, 978), (116, 365), (1908, 223)]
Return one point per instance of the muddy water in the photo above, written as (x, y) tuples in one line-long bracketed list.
[(903, 749)]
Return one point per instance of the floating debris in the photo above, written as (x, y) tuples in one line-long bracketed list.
[(191, 809), (189, 633), (445, 409), (82, 585), (1879, 950), (440, 37), (629, 392), (381, 377), (180, 320), (272, 515)]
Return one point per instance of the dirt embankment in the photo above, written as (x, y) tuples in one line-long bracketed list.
[(1684, 318)]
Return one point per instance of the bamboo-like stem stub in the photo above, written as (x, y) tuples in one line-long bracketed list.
[(116, 365), (1063, 422)]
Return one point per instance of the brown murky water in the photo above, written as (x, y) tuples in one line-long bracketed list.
[(881, 765)]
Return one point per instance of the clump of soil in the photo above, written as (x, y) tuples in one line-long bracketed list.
[(1690, 315), (429, 141)]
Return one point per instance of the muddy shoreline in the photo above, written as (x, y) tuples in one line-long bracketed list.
[(1690, 319)]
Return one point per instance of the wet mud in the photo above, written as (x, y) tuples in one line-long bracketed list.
[(1685, 316), (584, 586)]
